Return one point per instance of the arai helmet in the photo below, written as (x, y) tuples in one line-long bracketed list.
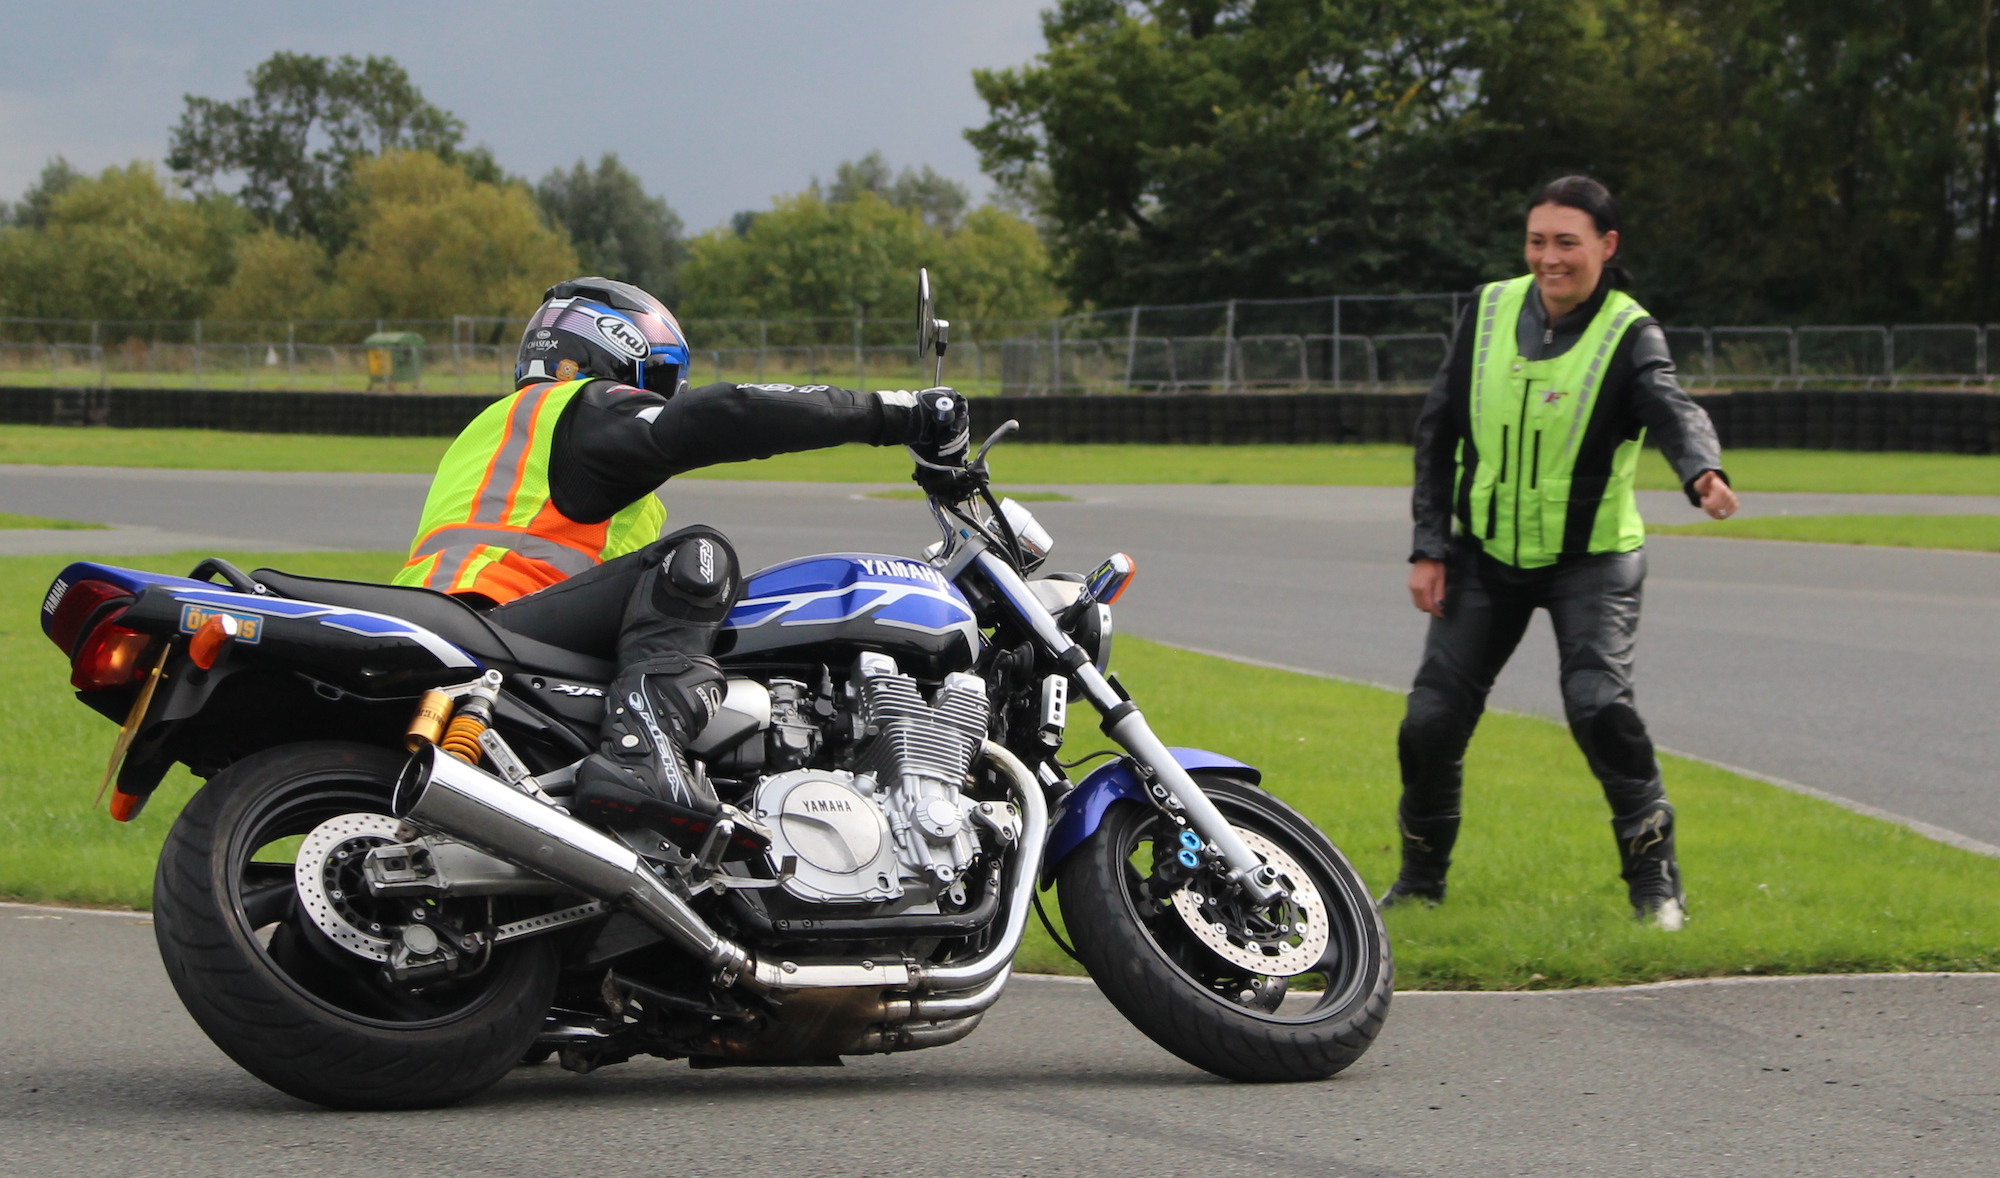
[(599, 327)]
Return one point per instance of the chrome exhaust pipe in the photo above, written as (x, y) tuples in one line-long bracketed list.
[(442, 793), (974, 973)]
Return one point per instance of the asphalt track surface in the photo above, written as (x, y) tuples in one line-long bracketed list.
[(1865, 672), (1860, 671), (104, 1075)]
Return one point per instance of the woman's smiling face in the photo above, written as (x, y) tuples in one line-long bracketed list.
[(1566, 253)]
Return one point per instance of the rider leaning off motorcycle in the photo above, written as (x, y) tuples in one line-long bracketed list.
[(544, 507)]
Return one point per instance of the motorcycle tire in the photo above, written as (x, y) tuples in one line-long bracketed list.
[(304, 1015), (1181, 992)]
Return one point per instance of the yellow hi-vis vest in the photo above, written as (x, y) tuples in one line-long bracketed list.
[(489, 526), (1544, 485)]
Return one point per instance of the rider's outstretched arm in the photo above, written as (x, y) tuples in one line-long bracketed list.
[(615, 443)]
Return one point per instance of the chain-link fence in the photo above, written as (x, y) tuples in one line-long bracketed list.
[(1380, 343)]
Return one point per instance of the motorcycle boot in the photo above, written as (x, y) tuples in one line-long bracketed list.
[(1652, 872), (666, 691), (1427, 844)]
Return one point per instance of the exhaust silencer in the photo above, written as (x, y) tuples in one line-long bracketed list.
[(467, 803)]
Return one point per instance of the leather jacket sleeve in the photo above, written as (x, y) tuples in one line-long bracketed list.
[(1678, 426), (615, 443), (1436, 438)]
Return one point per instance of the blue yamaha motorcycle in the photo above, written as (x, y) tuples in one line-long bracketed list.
[(380, 899)]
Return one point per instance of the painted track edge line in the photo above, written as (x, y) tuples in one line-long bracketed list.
[(128, 913), (1935, 833)]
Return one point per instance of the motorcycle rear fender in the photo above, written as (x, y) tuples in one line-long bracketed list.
[(1082, 812)]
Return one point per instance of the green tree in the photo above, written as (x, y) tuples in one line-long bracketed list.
[(276, 277), (1791, 160), (1185, 150), (299, 132), (57, 177), (618, 229), (430, 242), (119, 246), (940, 200), (808, 258)]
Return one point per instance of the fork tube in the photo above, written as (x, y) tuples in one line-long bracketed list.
[(1124, 723)]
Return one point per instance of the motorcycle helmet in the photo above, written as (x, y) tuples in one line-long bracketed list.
[(599, 327)]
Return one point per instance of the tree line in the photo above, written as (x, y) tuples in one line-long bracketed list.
[(1778, 160), (335, 190)]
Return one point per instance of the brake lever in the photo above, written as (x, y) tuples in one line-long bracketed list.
[(1008, 426)]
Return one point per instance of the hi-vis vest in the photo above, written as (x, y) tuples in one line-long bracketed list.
[(488, 524), (1530, 500)]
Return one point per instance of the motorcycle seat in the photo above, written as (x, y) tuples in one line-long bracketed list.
[(446, 616)]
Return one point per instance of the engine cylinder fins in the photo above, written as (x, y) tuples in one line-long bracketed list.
[(329, 880)]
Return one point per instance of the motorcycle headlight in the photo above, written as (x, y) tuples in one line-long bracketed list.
[(1036, 543)]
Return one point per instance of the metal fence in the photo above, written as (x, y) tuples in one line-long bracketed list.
[(1363, 343)]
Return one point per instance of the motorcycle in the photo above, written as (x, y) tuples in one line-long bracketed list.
[(380, 899)]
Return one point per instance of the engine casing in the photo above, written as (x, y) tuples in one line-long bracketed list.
[(898, 822)]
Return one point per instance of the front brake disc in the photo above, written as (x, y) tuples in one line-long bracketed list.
[(1283, 952)]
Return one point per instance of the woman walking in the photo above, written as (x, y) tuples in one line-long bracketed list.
[(1526, 451)]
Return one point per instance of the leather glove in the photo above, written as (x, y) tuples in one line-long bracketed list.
[(941, 429)]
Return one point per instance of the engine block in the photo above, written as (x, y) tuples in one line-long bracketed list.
[(919, 756), (895, 823)]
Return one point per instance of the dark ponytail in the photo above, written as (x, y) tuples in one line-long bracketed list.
[(1589, 196)]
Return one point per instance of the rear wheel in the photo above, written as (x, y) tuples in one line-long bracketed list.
[(278, 994), (1210, 979)]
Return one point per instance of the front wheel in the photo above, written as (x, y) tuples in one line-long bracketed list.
[(293, 1007), (1211, 980)]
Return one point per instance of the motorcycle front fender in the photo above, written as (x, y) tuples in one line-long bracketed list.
[(1082, 812)]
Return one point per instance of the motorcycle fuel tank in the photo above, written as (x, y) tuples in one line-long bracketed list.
[(824, 608)]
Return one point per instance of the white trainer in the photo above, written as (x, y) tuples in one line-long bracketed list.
[(1669, 917)]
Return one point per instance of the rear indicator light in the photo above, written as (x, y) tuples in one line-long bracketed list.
[(70, 607), (111, 658)]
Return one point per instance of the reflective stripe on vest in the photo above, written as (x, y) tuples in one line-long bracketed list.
[(1531, 502), (488, 524)]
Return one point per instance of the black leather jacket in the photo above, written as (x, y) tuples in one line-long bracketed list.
[(615, 444), (1640, 388)]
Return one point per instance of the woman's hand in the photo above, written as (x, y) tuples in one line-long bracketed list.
[(1716, 498), (1427, 586)]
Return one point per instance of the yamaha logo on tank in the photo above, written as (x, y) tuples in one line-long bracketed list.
[(622, 335)]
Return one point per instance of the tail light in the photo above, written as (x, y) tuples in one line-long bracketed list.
[(72, 609), (111, 658)]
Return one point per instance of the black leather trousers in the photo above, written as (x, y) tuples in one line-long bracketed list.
[(1593, 603)]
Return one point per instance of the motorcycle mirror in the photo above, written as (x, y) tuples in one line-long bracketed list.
[(932, 333)]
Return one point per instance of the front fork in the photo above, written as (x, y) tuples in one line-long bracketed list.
[(1125, 724)]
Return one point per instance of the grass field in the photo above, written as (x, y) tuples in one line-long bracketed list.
[(9, 519), (1972, 533), (1778, 883), (1306, 465)]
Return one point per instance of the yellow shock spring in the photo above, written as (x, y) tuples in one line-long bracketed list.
[(461, 740)]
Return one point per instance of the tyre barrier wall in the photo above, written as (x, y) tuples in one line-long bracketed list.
[(1947, 422)]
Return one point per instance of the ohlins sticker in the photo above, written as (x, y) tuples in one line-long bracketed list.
[(250, 627), (622, 335)]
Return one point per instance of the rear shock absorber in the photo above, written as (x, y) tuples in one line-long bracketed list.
[(461, 739)]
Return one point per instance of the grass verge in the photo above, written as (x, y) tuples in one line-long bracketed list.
[(1971, 533), (9, 520), (1779, 883), (1303, 465)]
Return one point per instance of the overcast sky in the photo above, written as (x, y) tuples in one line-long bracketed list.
[(717, 106)]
